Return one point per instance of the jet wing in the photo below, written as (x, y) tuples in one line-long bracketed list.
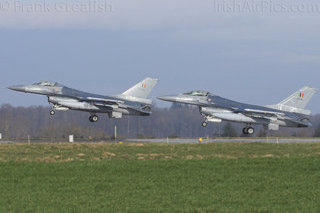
[(185, 99), (146, 109), (115, 104), (266, 114), (302, 122), (196, 102), (102, 101), (271, 115)]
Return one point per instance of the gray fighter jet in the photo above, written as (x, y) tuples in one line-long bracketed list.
[(132, 102), (290, 112)]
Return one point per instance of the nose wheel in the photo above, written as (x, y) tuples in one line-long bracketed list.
[(52, 112), (93, 118), (204, 124), (248, 131)]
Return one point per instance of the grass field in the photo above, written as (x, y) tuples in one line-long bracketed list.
[(142, 177)]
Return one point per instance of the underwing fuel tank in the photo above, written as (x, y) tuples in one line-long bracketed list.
[(227, 115), (72, 103)]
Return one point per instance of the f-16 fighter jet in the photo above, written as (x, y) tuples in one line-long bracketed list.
[(290, 112), (132, 102)]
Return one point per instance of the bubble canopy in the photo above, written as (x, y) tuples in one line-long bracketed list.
[(198, 93), (47, 84)]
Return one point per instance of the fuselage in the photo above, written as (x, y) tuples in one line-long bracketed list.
[(64, 98), (215, 109), (223, 105)]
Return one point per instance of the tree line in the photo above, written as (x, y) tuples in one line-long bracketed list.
[(18, 123)]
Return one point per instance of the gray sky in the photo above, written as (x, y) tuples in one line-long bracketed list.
[(252, 51)]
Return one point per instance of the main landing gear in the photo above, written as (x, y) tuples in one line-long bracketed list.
[(248, 131), (93, 118)]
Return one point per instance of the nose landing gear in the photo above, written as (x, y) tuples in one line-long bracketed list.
[(52, 112), (204, 124)]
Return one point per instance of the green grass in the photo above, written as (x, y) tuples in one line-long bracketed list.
[(226, 177)]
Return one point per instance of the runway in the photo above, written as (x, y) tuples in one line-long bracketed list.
[(222, 140), (196, 140), (6, 142)]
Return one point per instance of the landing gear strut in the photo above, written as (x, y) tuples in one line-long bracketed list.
[(52, 112), (248, 131), (93, 118)]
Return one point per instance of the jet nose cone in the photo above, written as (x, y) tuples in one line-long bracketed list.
[(19, 88), (170, 98)]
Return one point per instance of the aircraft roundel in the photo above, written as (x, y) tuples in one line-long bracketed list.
[(144, 85)]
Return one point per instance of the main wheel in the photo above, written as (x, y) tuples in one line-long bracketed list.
[(52, 112), (204, 124), (245, 131), (93, 118), (250, 131)]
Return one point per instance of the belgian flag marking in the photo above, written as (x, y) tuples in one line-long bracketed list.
[(144, 85), (301, 95)]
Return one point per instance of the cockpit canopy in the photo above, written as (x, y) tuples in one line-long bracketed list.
[(47, 84), (197, 93)]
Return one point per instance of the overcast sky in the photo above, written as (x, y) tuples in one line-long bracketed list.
[(252, 51)]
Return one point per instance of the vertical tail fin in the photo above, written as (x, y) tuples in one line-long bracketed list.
[(297, 102), (141, 89), (299, 99)]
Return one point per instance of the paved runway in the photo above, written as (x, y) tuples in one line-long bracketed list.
[(217, 140), (246, 140), (5, 141)]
